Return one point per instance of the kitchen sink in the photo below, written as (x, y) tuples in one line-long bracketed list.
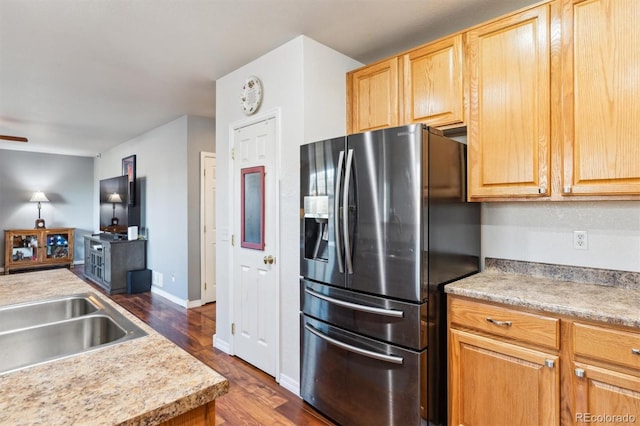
[(45, 311), (81, 323)]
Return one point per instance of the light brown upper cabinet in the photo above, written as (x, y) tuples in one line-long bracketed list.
[(601, 91), (372, 97), (509, 127), (424, 85), (433, 83)]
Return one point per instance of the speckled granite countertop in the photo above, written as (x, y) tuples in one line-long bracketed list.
[(143, 381), (594, 294)]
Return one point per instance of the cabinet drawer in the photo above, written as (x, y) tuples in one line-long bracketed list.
[(522, 326), (615, 346)]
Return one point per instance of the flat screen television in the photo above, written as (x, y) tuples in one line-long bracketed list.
[(117, 212)]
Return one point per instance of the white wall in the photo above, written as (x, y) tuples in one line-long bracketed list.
[(306, 82), (543, 232), (167, 181)]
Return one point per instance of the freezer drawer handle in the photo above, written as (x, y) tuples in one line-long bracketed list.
[(354, 349), (370, 309), (336, 212)]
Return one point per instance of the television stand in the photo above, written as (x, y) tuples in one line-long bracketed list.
[(107, 260)]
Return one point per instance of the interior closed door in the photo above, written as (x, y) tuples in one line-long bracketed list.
[(255, 265), (208, 211)]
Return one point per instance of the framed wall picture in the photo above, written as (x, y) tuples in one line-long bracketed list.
[(252, 209), (129, 170)]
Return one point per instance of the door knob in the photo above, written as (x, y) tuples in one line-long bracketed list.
[(270, 260)]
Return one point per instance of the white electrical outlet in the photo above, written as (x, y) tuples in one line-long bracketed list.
[(580, 240), (160, 279)]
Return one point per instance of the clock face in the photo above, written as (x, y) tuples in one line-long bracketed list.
[(251, 95)]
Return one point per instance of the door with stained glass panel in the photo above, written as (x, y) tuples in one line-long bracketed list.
[(254, 276)]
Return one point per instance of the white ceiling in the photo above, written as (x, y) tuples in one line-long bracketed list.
[(80, 76)]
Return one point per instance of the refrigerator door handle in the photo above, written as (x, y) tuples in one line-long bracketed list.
[(345, 210), (355, 306), (336, 212), (355, 349)]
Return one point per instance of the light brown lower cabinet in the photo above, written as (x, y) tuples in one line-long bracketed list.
[(606, 375), (605, 396), (484, 388), (562, 371), (204, 415), (503, 366)]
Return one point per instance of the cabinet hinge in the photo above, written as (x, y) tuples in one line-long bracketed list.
[(205, 285), (233, 328), (204, 229), (233, 153), (233, 240)]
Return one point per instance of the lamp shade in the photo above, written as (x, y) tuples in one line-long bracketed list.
[(39, 196), (115, 198)]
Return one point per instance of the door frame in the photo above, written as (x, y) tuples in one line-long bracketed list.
[(203, 155), (276, 115)]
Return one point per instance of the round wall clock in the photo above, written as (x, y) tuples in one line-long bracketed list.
[(251, 95)]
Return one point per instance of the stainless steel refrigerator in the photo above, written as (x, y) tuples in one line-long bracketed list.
[(384, 226)]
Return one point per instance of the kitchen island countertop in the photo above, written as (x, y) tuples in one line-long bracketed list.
[(614, 299), (147, 380)]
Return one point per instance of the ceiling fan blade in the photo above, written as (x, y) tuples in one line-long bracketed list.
[(14, 138)]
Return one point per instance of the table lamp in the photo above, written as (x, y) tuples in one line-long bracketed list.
[(39, 197), (114, 198)]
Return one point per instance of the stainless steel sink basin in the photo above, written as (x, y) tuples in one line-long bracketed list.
[(90, 326), (45, 311)]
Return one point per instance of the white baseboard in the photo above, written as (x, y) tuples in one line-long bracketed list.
[(171, 297), (290, 384), (194, 303), (223, 345)]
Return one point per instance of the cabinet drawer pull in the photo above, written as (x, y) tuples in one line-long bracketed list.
[(579, 372), (635, 351), (499, 323), (549, 363)]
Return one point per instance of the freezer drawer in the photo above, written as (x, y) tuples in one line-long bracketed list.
[(355, 380), (400, 323)]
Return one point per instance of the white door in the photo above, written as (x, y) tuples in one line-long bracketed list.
[(208, 221), (255, 320)]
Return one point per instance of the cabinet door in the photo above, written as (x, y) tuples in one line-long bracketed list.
[(58, 246), (509, 111), (602, 392), (601, 87), (433, 83), (21, 249), (372, 96), (497, 383)]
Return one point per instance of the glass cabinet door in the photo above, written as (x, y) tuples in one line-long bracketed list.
[(57, 245), (24, 248)]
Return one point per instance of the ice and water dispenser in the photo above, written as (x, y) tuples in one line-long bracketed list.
[(316, 227)]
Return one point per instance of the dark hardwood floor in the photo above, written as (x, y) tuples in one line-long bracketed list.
[(254, 397)]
